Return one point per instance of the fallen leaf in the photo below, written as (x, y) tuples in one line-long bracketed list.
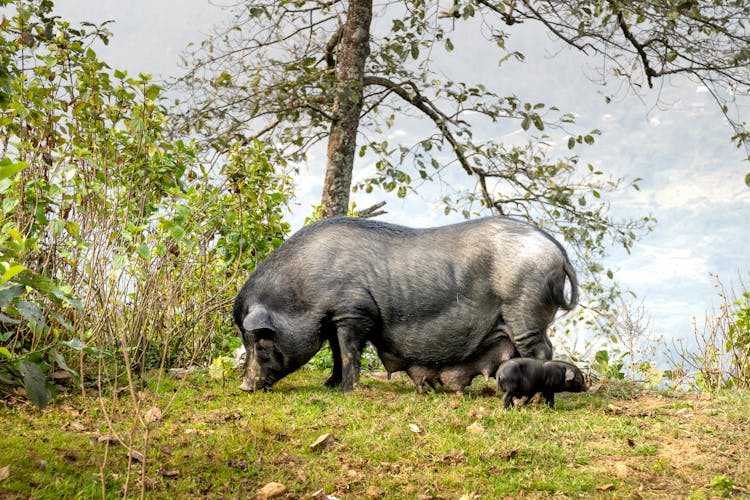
[(479, 413), (630, 442), (106, 438), (271, 490), (622, 470), (476, 428), (415, 428), (137, 456), (374, 492), (606, 487), (75, 426), (60, 375), (323, 441), (152, 415), (614, 409), (4, 472), (170, 472)]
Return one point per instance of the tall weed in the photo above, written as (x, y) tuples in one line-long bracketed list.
[(720, 357)]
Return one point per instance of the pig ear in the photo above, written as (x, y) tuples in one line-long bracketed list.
[(257, 319), (569, 375)]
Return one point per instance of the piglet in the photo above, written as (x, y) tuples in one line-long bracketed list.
[(524, 377)]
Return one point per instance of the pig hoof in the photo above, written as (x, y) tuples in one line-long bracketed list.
[(331, 383)]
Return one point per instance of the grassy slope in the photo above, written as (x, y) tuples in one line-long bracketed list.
[(216, 442)]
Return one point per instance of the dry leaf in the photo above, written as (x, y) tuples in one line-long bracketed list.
[(136, 455), (622, 470), (479, 413), (170, 472), (60, 375), (152, 415), (374, 492), (76, 426), (106, 438), (614, 409), (323, 441), (606, 487), (415, 428), (271, 490), (476, 428), (4, 472)]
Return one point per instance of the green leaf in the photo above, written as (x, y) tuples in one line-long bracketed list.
[(119, 261), (78, 345), (12, 271), (35, 383), (73, 229), (32, 313), (9, 293), (152, 92), (526, 123), (448, 45), (144, 251), (9, 169), (538, 123), (60, 360), (571, 142), (747, 180), (177, 232), (5, 352)]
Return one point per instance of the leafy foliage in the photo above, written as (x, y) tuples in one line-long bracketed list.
[(112, 234)]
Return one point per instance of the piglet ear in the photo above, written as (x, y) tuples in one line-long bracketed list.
[(257, 319), (569, 375)]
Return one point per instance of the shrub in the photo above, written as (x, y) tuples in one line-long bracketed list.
[(115, 239)]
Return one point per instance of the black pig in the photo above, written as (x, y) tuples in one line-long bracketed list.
[(524, 377), (433, 297)]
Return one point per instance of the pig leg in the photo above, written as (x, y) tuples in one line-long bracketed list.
[(549, 396), (527, 323), (352, 335), (335, 379), (507, 400)]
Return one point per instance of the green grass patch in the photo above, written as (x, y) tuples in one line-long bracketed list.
[(201, 437)]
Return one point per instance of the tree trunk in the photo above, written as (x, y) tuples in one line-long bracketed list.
[(347, 106)]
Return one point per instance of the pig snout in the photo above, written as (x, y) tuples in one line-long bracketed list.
[(255, 378)]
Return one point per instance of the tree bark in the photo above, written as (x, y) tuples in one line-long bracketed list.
[(347, 106)]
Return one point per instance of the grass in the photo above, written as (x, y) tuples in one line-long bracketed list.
[(208, 439)]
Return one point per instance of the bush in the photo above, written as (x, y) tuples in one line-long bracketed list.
[(721, 357), (115, 239)]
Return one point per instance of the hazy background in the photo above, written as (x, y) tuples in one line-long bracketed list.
[(692, 174)]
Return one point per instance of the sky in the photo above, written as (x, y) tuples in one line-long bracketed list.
[(693, 177)]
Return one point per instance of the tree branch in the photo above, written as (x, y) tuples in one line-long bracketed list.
[(650, 73), (441, 122)]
